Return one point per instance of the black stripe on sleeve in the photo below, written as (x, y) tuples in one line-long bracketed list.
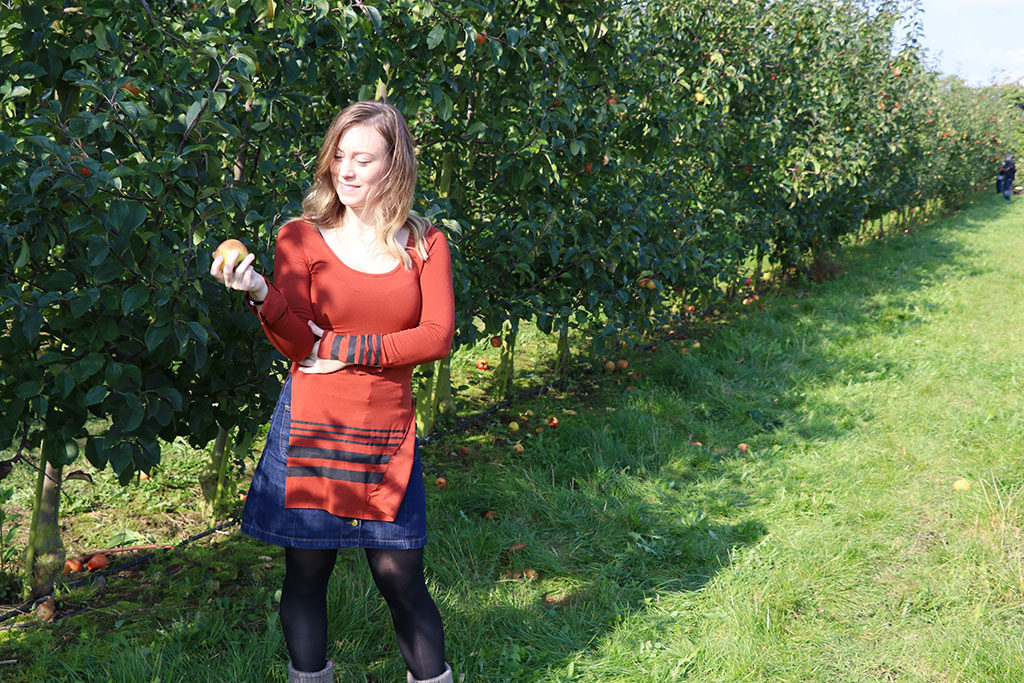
[(351, 357), (336, 348)]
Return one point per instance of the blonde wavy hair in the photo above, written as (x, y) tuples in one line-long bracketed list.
[(390, 205)]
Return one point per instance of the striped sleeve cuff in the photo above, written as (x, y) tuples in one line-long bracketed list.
[(354, 349)]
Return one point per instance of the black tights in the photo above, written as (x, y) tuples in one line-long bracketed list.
[(399, 578)]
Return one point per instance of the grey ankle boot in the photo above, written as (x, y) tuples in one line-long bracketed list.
[(445, 677), (324, 675)]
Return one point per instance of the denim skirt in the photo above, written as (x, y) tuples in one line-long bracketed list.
[(267, 519)]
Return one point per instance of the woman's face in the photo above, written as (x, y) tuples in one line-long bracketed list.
[(360, 162)]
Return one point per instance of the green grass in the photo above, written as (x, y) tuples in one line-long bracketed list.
[(835, 549)]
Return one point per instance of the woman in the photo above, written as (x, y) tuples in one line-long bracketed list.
[(362, 292)]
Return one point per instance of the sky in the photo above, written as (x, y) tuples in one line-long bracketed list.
[(979, 40)]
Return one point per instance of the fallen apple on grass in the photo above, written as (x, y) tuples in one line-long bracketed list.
[(97, 561), (46, 609)]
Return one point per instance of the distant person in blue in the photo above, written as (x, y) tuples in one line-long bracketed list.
[(1006, 176)]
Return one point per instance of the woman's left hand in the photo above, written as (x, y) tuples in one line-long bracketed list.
[(311, 364)]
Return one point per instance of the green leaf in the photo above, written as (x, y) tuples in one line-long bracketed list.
[(133, 297), (29, 389), (69, 453), (65, 383), (38, 176), (95, 395), (374, 17), (198, 331), (59, 451), (155, 335), (130, 417), (435, 36), (148, 456), (120, 457), (96, 451), (100, 33), (126, 215), (84, 301), (23, 254), (31, 322), (173, 396), (193, 112), (88, 366), (112, 375)]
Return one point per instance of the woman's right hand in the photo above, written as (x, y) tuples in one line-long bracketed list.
[(312, 364), (241, 276)]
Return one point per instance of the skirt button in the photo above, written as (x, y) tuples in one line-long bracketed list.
[(354, 522)]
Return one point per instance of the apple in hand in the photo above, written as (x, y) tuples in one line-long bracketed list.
[(228, 247)]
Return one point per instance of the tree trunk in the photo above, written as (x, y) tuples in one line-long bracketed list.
[(563, 357), (444, 402), (758, 268), (506, 363), (426, 410), (212, 480), (44, 556)]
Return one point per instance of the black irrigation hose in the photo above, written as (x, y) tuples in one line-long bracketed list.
[(90, 578)]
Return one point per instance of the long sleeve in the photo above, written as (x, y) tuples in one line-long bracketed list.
[(429, 340), (287, 308)]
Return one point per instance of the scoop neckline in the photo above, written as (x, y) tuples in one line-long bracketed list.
[(408, 243)]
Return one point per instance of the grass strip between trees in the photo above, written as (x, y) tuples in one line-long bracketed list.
[(639, 542)]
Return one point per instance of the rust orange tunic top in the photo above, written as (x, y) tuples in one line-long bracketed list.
[(352, 436)]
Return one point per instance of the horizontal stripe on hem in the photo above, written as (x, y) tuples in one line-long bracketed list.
[(336, 474), (338, 455), (321, 435), (346, 428)]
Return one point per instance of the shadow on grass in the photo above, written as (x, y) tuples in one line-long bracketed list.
[(622, 507)]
